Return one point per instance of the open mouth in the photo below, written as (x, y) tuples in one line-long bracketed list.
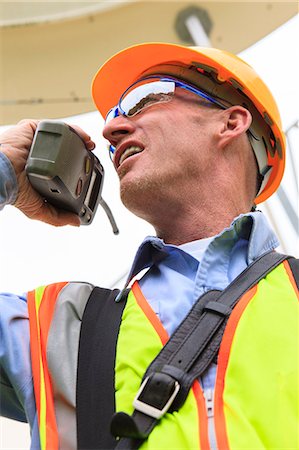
[(130, 151)]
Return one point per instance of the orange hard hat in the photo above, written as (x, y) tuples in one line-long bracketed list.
[(222, 75)]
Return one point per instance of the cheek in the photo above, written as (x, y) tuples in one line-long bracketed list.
[(179, 136)]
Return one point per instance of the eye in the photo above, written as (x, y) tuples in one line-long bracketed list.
[(149, 100)]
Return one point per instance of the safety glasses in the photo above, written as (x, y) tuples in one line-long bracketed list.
[(150, 91)]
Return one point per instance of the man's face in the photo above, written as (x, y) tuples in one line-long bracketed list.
[(164, 151)]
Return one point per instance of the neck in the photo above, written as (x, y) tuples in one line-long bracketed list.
[(191, 228), (195, 207), (186, 223)]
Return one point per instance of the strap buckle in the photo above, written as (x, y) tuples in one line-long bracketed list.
[(151, 399)]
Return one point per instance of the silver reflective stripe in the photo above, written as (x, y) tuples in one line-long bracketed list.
[(209, 397), (62, 356)]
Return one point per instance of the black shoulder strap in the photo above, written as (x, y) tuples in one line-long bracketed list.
[(294, 265), (186, 355), (95, 374)]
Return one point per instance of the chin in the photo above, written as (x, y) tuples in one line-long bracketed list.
[(137, 194)]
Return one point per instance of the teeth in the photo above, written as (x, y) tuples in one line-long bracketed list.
[(129, 152)]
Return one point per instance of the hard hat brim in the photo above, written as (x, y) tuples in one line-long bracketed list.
[(128, 65)]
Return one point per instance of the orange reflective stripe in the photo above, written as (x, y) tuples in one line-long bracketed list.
[(291, 277), (150, 314), (202, 416), (224, 353), (35, 348), (41, 304)]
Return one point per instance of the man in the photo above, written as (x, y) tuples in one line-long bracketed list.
[(196, 139)]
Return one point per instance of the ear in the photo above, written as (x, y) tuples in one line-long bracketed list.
[(236, 121)]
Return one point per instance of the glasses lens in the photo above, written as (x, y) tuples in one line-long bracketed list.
[(139, 97)]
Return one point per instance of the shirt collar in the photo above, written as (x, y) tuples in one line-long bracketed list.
[(252, 227), (196, 248), (255, 228)]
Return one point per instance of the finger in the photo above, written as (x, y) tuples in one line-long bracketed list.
[(32, 123), (35, 207), (89, 143), (28, 126), (20, 136), (47, 213), (57, 217), (81, 132)]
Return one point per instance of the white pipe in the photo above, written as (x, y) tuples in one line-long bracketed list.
[(197, 32)]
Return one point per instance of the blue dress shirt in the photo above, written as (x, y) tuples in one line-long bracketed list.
[(8, 182)]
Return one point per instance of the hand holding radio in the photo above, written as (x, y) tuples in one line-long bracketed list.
[(15, 144), (65, 173)]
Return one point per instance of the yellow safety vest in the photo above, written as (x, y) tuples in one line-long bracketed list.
[(256, 393)]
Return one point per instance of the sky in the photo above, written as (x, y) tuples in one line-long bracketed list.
[(33, 253)]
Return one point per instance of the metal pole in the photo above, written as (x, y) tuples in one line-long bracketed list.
[(197, 31)]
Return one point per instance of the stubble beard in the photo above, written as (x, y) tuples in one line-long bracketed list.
[(139, 194), (157, 192)]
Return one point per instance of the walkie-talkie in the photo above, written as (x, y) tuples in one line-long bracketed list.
[(65, 173)]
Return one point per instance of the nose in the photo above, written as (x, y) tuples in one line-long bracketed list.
[(117, 128)]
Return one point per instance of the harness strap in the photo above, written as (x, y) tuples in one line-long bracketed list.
[(294, 265), (95, 374), (187, 354)]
